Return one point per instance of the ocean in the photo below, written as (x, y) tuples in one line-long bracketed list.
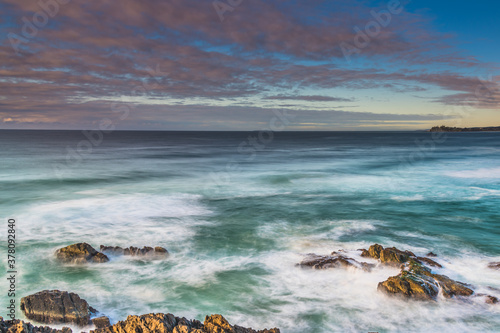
[(238, 210)]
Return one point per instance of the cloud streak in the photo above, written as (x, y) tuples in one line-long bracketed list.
[(162, 53)]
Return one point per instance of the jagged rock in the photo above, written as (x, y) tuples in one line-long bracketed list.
[(149, 323), (101, 322), (80, 253), (429, 262), (168, 323), (218, 324), (389, 255), (418, 282), (395, 256), (494, 265), (333, 261), (53, 306), (19, 326), (373, 251), (431, 254), (157, 251)]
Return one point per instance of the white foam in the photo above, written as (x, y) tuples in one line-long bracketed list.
[(402, 198), (483, 173)]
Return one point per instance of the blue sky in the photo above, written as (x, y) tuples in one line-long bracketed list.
[(218, 65)]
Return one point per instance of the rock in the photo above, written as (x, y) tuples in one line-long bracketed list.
[(101, 322), (429, 262), (489, 299), (218, 324), (333, 261), (390, 255), (451, 287), (494, 265), (418, 282), (168, 323), (149, 323), (80, 253), (158, 251), (54, 306), (373, 251), (19, 326), (430, 254)]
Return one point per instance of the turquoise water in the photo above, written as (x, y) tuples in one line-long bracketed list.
[(237, 222)]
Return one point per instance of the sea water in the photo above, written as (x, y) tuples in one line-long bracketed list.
[(237, 212)]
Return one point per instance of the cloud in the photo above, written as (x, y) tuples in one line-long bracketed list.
[(178, 51), (314, 98)]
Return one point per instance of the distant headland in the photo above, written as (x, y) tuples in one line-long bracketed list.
[(465, 129)]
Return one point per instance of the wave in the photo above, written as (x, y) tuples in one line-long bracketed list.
[(483, 173)]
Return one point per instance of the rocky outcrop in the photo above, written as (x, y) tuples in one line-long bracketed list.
[(80, 253), (54, 306), (101, 322), (428, 261), (394, 256), (389, 255), (19, 326), (418, 282), (494, 265), (157, 251), (168, 323), (335, 260)]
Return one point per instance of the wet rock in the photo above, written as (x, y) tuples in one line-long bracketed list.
[(390, 255), (157, 251), (373, 251), (429, 262), (149, 323), (333, 261), (19, 326), (418, 282), (168, 323), (80, 253), (430, 254), (488, 298), (54, 306), (101, 322), (491, 299), (494, 265), (218, 324)]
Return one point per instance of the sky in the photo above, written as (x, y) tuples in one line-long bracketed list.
[(236, 64)]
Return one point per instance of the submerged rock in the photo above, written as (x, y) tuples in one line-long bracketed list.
[(54, 306), (101, 322), (418, 282), (19, 326), (334, 260), (488, 298), (80, 253), (494, 265), (157, 251), (168, 323)]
